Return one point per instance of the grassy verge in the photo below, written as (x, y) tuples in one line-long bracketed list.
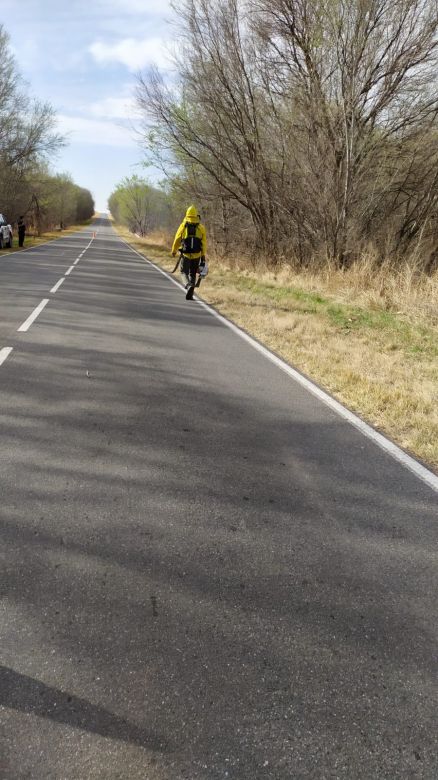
[(372, 342), (51, 235)]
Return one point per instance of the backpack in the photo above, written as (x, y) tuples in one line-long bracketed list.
[(191, 240)]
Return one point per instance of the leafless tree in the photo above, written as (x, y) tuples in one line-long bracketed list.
[(314, 120), (360, 77), (217, 128), (27, 127)]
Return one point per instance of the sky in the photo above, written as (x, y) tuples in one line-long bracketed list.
[(83, 58)]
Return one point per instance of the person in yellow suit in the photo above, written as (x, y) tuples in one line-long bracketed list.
[(191, 242)]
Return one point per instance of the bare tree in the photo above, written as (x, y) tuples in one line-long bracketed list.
[(27, 127), (360, 80), (217, 129), (314, 121)]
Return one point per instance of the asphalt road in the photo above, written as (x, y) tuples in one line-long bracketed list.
[(206, 572)]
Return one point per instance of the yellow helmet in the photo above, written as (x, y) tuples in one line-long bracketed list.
[(192, 213)]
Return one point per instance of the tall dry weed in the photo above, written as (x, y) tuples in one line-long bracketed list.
[(402, 288)]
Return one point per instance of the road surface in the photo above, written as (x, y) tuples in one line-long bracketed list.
[(206, 572)]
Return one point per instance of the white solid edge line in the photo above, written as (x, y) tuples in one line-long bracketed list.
[(56, 287), (4, 353), (385, 444), (67, 273), (27, 323)]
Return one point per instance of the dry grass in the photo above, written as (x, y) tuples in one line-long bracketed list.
[(369, 336)]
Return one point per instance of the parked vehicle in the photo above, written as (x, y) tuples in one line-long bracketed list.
[(5, 233)]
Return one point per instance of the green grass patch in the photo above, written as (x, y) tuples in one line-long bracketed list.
[(411, 338)]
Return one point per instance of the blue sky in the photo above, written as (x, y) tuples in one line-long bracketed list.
[(83, 58)]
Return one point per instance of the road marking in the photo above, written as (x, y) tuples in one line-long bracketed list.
[(76, 261), (385, 444), (58, 285), (4, 353), (26, 325), (69, 270), (45, 243)]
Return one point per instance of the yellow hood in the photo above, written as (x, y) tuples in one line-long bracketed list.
[(192, 214)]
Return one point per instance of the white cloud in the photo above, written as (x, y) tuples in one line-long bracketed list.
[(113, 108), (95, 131), (135, 54)]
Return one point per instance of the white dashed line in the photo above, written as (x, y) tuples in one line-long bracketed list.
[(76, 261), (69, 270), (57, 285), (26, 325), (4, 353)]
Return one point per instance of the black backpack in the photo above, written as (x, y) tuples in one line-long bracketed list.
[(191, 242)]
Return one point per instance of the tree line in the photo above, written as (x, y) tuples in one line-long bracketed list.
[(306, 129), (141, 207), (28, 140)]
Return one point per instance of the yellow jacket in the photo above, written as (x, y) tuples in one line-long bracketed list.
[(193, 218)]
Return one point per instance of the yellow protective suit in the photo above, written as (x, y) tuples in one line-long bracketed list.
[(192, 216)]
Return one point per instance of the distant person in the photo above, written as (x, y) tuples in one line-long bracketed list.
[(21, 231), (191, 242)]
